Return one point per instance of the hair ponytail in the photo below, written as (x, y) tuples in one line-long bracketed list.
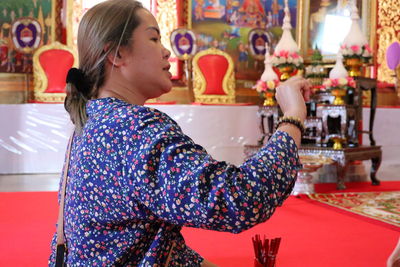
[(78, 93)]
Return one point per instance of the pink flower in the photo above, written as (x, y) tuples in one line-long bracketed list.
[(284, 53), (294, 55), (355, 49), (335, 82), (343, 46), (261, 86), (351, 82)]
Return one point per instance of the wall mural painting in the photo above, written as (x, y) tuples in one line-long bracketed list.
[(24, 26), (225, 24)]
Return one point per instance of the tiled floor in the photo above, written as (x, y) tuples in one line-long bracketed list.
[(29, 182)]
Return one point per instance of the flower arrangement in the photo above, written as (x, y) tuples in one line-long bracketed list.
[(284, 58), (263, 87), (340, 83), (363, 52), (339, 87), (266, 89)]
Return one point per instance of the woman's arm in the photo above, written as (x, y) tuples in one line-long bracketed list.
[(181, 183), (394, 258)]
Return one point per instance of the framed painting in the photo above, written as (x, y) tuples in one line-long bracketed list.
[(323, 18), (25, 25), (226, 24)]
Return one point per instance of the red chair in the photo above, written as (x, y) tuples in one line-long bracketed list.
[(50, 67), (213, 77)]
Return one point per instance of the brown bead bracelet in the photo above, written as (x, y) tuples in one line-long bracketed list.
[(291, 120)]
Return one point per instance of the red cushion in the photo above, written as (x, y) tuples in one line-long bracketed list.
[(214, 68), (56, 63)]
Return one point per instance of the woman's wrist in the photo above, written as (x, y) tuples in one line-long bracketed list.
[(291, 120), (300, 115)]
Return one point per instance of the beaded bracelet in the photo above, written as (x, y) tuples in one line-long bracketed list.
[(291, 120)]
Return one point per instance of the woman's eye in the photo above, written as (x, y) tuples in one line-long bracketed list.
[(155, 39)]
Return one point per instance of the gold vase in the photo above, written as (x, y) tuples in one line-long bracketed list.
[(339, 93), (337, 142), (286, 72), (354, 66), (269, 99)]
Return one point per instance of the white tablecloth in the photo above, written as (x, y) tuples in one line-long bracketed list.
[(33, 137)]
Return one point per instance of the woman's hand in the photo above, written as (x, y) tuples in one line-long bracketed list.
[(291, 96)]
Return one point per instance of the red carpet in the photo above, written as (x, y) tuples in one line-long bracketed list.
[(27, 224), (312, 235)]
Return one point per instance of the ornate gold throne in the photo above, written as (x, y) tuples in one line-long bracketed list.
[(50, 67), (213, 77)]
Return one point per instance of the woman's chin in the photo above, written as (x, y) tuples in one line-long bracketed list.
[(167, 88), (161, 91)]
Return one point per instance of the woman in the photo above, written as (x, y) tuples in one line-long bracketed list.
[(134, 179)]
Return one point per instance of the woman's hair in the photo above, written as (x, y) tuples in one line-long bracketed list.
[(102, 30)]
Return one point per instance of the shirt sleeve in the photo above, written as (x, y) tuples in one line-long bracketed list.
[(181, 183)]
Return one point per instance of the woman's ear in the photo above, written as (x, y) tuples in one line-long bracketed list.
[(115, 56)]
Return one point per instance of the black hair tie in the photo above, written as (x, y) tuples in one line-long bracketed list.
[(77, 78)]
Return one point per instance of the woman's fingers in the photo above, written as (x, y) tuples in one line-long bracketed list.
[(306, 90)]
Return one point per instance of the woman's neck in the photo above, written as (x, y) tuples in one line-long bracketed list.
[(119, 91)]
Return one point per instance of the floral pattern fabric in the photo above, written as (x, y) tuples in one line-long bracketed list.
[(135, 179)]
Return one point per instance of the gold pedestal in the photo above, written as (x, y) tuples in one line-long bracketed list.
[(337, 142), (338, 93), (269, 99), (354, 66), (286, 72)]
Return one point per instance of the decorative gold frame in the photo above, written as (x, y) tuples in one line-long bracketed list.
[(368, 13), (53, 21), (70, 19), (199, 82), (40, 79)]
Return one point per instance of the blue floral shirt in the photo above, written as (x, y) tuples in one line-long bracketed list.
[(135, 179)]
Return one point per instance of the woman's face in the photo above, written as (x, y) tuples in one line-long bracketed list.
[(146, 66)]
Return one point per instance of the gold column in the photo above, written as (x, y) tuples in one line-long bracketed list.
[(167, 20), (388, 31), (59, 25)]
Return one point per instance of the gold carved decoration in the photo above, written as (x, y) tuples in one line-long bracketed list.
[(185, 13), (40, 81), (74, 13), (200, 83), (167, 19), (388, 32)]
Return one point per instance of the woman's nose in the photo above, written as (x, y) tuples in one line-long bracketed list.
[(167, 53)]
